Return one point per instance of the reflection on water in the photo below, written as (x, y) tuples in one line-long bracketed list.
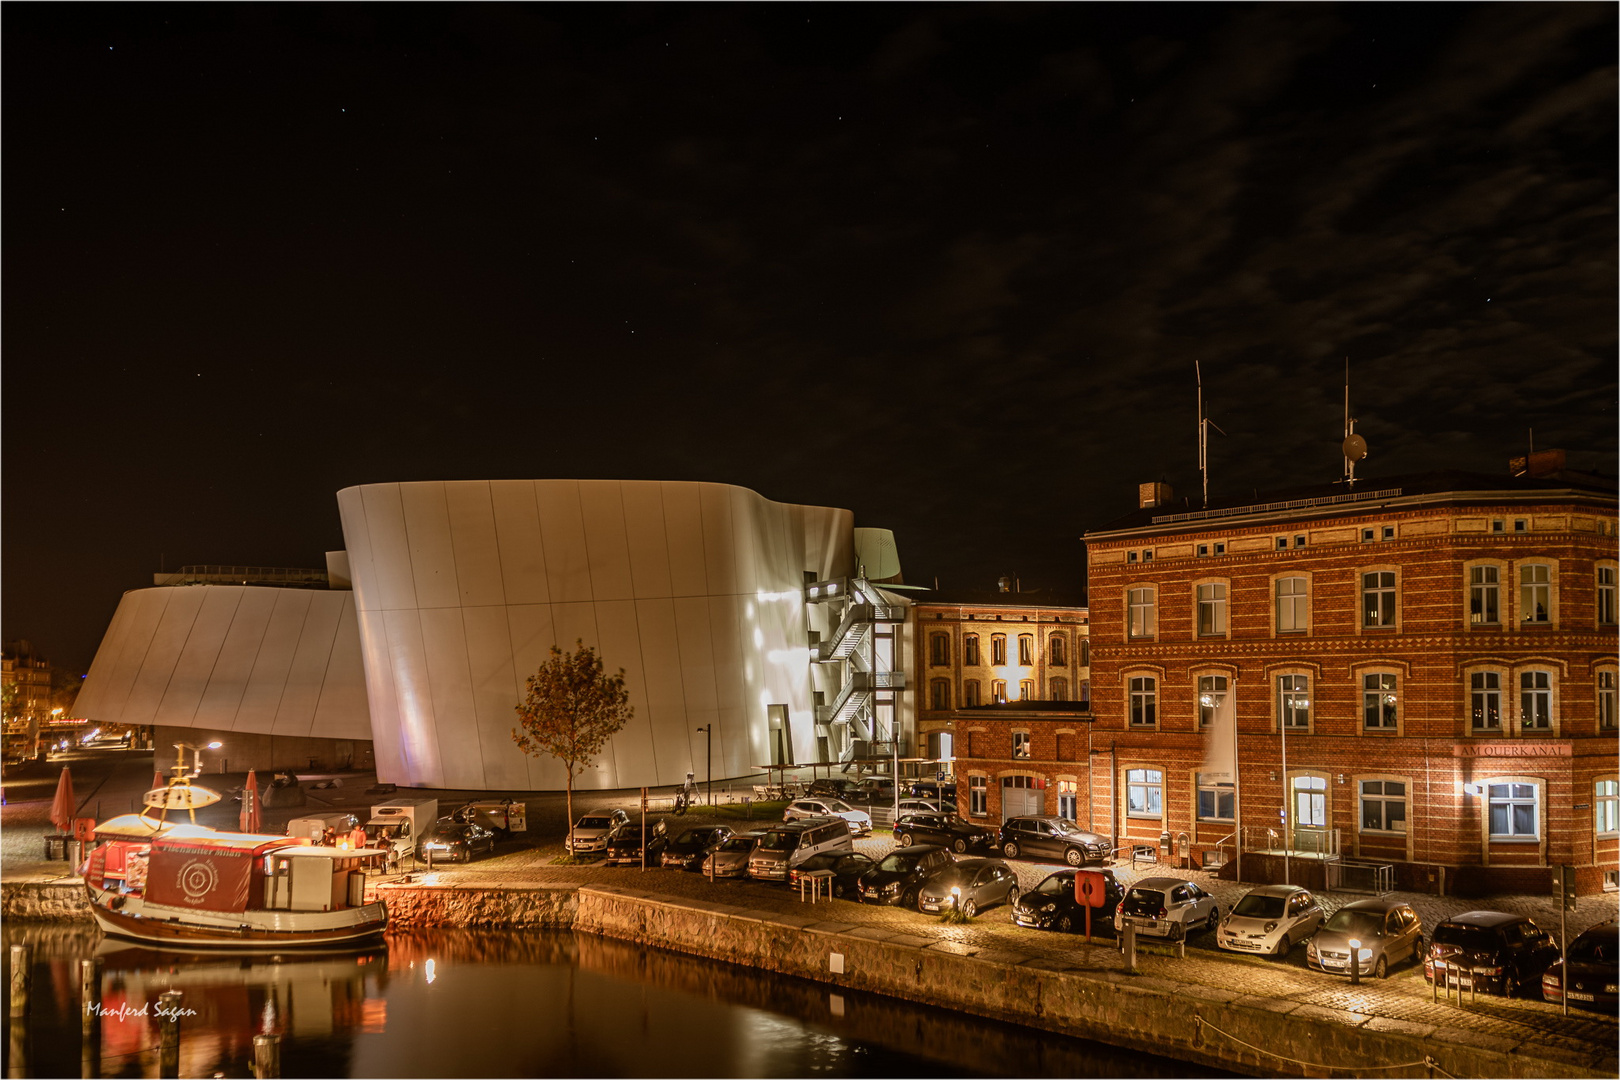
[(470, 1003)]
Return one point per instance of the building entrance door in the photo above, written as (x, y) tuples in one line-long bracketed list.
[(1310, 814)]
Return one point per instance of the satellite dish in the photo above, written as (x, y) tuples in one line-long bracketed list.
[(1355, 448)]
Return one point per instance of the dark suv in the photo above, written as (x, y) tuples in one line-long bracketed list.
[(895, 879), (1505, 953), (1052, 837), (832, 787), (940, 829)]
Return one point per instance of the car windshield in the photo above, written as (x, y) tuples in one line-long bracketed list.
[(1361, 923), (1143, 902), (739, 843), (594, 823), (1594, 950), (1473, 938), (694, 836), (1056, 885), (1256, 906), (839, 807), (895, 863)]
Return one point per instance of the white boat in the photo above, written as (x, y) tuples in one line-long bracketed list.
[(184, 886)]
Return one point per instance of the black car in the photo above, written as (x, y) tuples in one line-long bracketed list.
[(687, 849), (895, 879), (832, 787), (1051, 905), (1052, 837), (1590, 969), (940, 829), (626, 842), (455, 840), (937, 790), (846, 866), (1504, 953)]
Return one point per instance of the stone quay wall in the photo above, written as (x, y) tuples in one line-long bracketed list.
[(33, 901)]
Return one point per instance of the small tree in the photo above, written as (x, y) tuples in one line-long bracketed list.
[(571, 710)]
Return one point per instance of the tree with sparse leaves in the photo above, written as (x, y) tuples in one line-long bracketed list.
[(572, 709)]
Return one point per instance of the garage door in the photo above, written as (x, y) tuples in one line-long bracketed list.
[(1020, 801)]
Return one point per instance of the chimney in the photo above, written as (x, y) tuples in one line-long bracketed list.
[(1157, 493), (1539, 463)]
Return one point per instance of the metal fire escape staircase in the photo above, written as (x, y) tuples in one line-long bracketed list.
[(852, 646)]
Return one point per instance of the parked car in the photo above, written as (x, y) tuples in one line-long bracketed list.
[(1052, 905), (918, 806), (833, 787), (449, 839), (894, 880), (789, 844), (590, 832), (934, 790), (874, 789), (859, 821), (846, 866), (626, 843), (1504, 953), (1269, 920), (971, 884), (1387, 931), (1167, 907), (730, 857), (1054, 837), (940, 829), (688, 849), (1589, 968)]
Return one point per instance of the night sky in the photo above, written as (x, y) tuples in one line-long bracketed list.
[(949, 267)]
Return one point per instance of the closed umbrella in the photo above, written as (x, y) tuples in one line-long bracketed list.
[(158, 781), (63, 806), (250, 820)]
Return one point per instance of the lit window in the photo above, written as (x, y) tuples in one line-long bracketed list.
[(1060, 689), (1211, 610), (1141, 613), (1535, 700), (1383, 806), (1144, 702), (1215, 799), (1484, 595), (970, 650), (1605, 595), (1535, 594), (1026, 650), (1026, 689), (1605, 700), (1144, 793), (1294, 702), (1378, 701), (970, 693), (939, 696), (1211, 695), (1068, 799), (1513, 811), (998, 691), (1378, 598), (1310, 802), (1606, 806), (978, 796), (1485, 700), (1293, 605), (1058, 649), (998, 649), (939, 650), (1020, 744)]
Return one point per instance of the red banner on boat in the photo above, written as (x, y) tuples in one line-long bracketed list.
[(193, 877)]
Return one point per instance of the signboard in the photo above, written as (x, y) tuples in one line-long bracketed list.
[(190, 878)]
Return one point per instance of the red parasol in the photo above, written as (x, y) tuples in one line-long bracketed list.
[(64, 805), (250, 821), (158, 781)]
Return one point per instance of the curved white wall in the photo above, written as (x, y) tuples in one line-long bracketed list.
[(232, 658), (695, 590)]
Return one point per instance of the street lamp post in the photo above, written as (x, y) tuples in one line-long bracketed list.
[(708, 758)]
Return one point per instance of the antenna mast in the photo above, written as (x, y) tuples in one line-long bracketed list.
[(1354, 446), (1204, 424)]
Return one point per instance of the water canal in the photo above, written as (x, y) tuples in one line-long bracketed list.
[(488, 1004)]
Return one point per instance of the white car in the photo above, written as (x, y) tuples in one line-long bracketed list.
[(590, 832), (859, 821), (1270, 920), (1167, 907)]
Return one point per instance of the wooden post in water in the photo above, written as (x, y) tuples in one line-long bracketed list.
[(266, 1056), (17, 1051), (90, 1021), (21, 965), (169, 1033)]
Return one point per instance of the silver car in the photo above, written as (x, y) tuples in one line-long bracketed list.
[(590, 832), (730, 859), (1385, 932), (1269, 920), (1167, 907), (859, 821), (969, 884)]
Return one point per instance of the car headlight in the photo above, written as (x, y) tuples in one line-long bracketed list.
[(1363, 954), (1049, 907), (1310, 947), (1270, 926), (891, 888)]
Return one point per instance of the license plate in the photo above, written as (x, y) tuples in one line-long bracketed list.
[(1576, 995), (930, 907), (1150, 924)]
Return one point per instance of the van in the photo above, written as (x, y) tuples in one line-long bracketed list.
[(789, 844)]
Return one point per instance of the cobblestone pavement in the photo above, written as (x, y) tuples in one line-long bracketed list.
[(1403, 1001)]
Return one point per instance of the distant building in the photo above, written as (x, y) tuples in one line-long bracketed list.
[(1423, 671), (27, 679)]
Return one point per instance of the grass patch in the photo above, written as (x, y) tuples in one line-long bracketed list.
[(955, 916), (576, 860), (770, 812)]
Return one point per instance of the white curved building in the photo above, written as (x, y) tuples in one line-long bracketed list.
[(700, 592)]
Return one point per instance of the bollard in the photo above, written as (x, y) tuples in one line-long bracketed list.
[(1128, 944), (21, 961), (169, 1033), (266, 1056)]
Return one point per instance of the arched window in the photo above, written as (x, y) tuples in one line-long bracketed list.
[(939, 695), (1026, 650), (1060, 689), (970, 650), (1058, 650), (998, 649), (939, 649)]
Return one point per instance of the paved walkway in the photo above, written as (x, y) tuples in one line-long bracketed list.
[(1402, 1002)]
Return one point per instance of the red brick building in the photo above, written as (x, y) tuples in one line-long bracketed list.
[(1423, 671)]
